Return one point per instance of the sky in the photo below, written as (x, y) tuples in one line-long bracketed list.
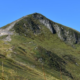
[(66, 12)]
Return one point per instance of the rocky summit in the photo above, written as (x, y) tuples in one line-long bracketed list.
[(36, 48)]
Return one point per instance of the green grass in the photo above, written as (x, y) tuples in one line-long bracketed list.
[(29, 45), (21, 57)]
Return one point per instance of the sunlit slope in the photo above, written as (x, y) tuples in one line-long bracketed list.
[(36, 53)]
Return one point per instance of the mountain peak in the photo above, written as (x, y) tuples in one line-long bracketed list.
[(34, 43), (34, 23)]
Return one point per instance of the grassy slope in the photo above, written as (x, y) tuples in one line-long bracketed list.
[(22, 63), (24, 51)]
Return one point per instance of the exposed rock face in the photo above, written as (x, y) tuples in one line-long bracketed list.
[(44, 21), (64, 33), (70, 36), (58, 31), (7, 31), (47, 24)]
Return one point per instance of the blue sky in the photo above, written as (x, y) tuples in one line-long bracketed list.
[(66, 12)]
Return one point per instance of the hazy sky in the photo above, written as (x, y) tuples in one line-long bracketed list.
[(66, 12)]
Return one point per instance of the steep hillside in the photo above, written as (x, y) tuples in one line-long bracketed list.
[(36, 48)]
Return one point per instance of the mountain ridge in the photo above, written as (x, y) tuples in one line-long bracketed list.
[(64, 33), (36, 48)]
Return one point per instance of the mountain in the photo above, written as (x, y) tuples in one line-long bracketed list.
[(36, 48)]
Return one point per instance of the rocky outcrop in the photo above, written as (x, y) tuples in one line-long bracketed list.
[(6, 31), (64, 33), (44, 21), (68, 35)]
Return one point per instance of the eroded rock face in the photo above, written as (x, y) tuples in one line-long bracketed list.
[(47, 24), (44, 21), (7, 31), (58, 31), (68, 35)]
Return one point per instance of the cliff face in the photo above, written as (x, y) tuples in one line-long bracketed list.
[(64, 33), (68, 35)]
